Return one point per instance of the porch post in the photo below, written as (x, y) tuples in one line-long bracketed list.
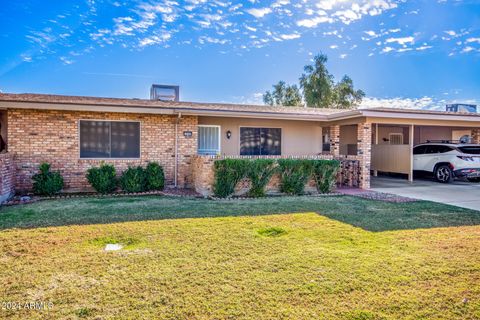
[(335, 140), (364, 152), (476, 135)]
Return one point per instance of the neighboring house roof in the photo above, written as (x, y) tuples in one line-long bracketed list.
[(82, 103)]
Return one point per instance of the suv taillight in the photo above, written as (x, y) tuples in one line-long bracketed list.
[(466, 158)]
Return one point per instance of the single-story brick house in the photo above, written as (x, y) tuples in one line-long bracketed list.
[(74, 133)]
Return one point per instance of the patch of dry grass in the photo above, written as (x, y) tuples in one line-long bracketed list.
[(227, 268)]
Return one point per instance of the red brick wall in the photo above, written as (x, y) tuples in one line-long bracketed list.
[(36, 136), (7, 176)]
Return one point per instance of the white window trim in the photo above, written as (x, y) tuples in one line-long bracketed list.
[(106, 159), (219, 135), (260, 127)]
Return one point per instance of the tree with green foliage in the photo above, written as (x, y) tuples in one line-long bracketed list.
[(345, 96), (317, 83), (283, 95), (321, 91)]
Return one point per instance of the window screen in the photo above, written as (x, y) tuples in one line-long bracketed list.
[(396, 138), (109, 139), (208, 140), (260, 141)]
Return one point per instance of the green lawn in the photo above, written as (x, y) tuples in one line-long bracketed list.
[(367, 214), (239, 260)]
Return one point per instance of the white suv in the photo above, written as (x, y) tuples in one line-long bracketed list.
[(447, 160)]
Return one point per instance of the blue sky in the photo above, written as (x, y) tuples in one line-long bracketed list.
[(401, 53)]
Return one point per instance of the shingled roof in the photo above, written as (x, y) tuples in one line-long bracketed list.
[(82, 103)]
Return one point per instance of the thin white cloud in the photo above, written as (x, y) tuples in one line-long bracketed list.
[(313, 22), (398, 102), (401, 41), (290, 36), (259, 12), (470, 40)]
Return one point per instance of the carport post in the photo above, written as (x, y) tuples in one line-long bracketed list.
[(410, 140)]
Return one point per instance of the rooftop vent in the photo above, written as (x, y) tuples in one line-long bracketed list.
[(164, 92), (461, 107)]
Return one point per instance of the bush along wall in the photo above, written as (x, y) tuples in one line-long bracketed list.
[(47, 183), (103, 179), (294, 175), (138, 179), (135, 179), (259, 172), (325, 174), (155, 177), (228, 173)]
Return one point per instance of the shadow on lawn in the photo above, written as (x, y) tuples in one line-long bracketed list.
[(369, 215)]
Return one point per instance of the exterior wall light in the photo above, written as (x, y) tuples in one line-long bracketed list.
[(229, 134)]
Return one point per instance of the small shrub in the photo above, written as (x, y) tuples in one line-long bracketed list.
[(133, 179), (103, 179), (325, 174), (228, 173), (294, 174), (155, 176), (259, 171), (272, 232), (46, 182)]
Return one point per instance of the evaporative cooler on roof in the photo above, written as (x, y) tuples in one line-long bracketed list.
[(164, 92)]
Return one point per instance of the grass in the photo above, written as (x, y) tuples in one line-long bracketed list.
[(221, 268), (367, 214), (343, 258)]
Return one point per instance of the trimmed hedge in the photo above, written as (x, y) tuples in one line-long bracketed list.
[(133, 179), (325, 174), (103, 179), (228, 173), (155, 176), (46, 182), (259, 172), (294, 174)]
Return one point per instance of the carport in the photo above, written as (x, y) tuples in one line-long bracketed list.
[(393, 138), (382, 139)]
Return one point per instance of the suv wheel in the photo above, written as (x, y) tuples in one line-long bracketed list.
[(444, 174)]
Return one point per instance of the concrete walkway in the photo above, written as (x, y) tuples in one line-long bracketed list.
[(459, 193)]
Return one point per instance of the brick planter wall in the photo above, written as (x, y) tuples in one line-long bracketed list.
[(203, 174), (7, 176), (476, 135), (37, 136)]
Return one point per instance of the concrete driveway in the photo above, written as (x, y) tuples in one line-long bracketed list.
[(459, 193)]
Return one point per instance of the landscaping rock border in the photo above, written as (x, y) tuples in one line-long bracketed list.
[(25, 199), (365, 194)]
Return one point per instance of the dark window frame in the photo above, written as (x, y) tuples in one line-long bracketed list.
[(109, 157), (260, 128)]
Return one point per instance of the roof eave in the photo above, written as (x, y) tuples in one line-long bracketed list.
[(417, 116)]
